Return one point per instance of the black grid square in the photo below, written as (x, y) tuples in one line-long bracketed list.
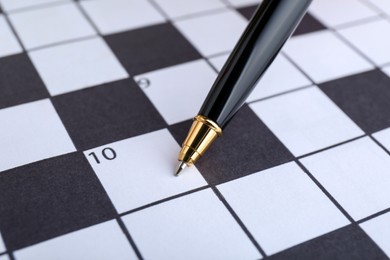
[(364, 97), (247, 11), (309, 24), (107, 113), (19, 81), (151, 48), (343, 244), (247, 146), (50, 198)]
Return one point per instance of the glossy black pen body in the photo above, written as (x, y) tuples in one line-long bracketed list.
[(271, 25)]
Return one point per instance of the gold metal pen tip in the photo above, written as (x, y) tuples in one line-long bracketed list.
[(180, 167), (202, 134)]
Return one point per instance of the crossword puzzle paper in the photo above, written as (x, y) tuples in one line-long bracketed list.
[(96, 97)]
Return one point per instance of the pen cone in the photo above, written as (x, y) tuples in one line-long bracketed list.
[(180, 167)]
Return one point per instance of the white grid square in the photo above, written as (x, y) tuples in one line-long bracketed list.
[(378, 229), (168, 85), (189, 227), (49, 25), (281, 76), (306, 120), (356, 174), (383, 137), (386, 70), (333, 13), (31, 132), (323, 57), (143, 171), (384, 5), (362, 36), (77, 65), (219, 61), (2, 247), (11, 5), (214, 33), (242, 3), (178, 8), (102, 241), (4, 257), (111, 16), (282, 207), (9, 44)]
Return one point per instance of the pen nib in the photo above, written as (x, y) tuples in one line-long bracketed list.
[(180, 167)]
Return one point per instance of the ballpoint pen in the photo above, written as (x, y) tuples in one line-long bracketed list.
[(270, 27)]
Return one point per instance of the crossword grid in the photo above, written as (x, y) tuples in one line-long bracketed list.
[(341, 132)]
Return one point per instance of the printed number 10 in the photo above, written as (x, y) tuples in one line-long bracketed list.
[(107, 153)]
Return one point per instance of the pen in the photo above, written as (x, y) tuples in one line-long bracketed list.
[(270, 27)]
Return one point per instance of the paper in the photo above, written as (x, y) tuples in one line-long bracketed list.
[(96, 98)]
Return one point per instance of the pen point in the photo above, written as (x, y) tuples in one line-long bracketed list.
[(180, 167)]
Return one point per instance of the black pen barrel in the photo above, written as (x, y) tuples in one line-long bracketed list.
[(270, 27)]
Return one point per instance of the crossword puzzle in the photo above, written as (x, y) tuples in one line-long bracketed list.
[(96, 97)]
